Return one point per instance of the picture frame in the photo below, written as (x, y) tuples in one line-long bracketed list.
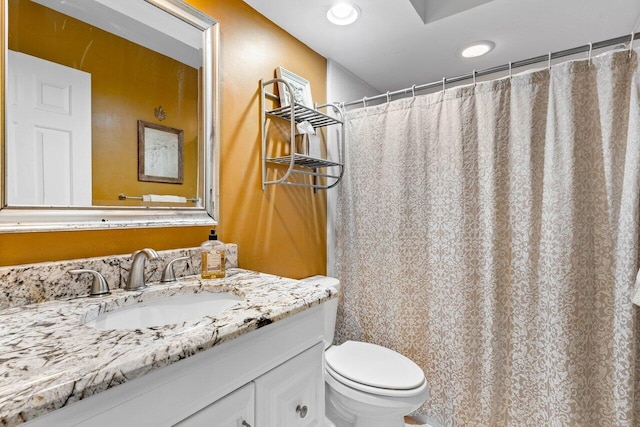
[(300, 86), (160, 153)]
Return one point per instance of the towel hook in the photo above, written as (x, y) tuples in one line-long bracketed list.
[(590, 50), (388, 96), (549, 61), (413, 90), (444, 81), (364, 101), (510, 75), (631, 44)]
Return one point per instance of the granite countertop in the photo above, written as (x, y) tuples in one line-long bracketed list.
[(49, 358)]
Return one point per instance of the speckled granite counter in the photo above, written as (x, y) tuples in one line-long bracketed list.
[(49, 358)]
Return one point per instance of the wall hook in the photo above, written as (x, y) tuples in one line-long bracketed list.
[(160, 113)]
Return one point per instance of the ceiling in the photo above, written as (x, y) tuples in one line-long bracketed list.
[(139, 22), (390, 47)]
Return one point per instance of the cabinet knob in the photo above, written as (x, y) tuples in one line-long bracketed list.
[(302, 410), (245, 424)]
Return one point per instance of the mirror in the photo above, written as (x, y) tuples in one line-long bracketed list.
[(111, 112)]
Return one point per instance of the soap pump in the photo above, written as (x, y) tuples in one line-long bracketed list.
[(213, 257)]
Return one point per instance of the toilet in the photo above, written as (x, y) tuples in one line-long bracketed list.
[(366, 385)]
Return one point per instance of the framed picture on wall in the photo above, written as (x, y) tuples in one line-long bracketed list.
[(160, 153), (301, 88)]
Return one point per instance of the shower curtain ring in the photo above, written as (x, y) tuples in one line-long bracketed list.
[(590, 50), (631, 44), (444, 82), (413, 90), (474, 78), (364, 101), (549, 66), (387, 96), (510, 75)]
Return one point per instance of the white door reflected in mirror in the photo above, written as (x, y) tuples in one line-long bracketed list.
[(48, 133)]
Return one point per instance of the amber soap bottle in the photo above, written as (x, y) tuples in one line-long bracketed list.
[(213, 257)]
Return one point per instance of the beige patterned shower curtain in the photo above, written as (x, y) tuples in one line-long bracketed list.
[(490, 233)]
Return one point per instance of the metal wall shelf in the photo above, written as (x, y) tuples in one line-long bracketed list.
[(324, 173)]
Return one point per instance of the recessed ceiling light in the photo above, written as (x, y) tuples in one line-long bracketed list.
[(478, 49), (343, 13)]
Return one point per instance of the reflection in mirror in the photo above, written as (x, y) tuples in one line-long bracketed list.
[(80, 76)]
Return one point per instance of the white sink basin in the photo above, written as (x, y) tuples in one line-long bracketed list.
[(165, 311)]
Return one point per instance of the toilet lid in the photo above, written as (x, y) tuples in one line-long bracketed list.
[(374, 366)]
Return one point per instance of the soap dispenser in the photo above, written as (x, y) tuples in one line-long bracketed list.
[(213, 257)]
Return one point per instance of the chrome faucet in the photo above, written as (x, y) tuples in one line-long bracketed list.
[(135, 281)]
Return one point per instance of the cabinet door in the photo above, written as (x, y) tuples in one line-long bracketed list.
[(292, 395), (233, 410)]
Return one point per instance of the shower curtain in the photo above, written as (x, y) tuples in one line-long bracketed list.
[(490, 233)]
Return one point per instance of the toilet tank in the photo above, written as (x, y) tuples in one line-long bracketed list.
[(330, 308)]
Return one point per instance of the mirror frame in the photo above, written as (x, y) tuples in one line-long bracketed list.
[(26, 219)]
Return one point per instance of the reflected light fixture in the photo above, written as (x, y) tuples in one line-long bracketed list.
[(478, 49), (343, 13)]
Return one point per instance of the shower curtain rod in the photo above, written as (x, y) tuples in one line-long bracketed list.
[(506, 67)]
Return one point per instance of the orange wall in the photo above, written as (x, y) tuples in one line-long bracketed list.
[(281, 230), (128, 82)]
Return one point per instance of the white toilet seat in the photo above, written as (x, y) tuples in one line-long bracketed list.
[(374, 369), (384, 392)]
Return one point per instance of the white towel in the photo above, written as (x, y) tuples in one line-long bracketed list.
[(163, 198), (636, 296), (305, 128)]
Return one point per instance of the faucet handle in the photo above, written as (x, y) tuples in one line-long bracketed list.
[(100, 285), (168, 275)]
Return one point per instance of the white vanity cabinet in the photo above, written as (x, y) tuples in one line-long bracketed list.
[(292, 394), (271, 377), (233, 410)]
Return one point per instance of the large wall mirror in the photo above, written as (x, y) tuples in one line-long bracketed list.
[(110, 115)]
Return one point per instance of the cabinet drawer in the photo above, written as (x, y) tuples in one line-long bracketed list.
[(233, 410), (292, 395)]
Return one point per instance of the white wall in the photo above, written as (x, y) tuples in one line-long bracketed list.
[(342, 86)]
